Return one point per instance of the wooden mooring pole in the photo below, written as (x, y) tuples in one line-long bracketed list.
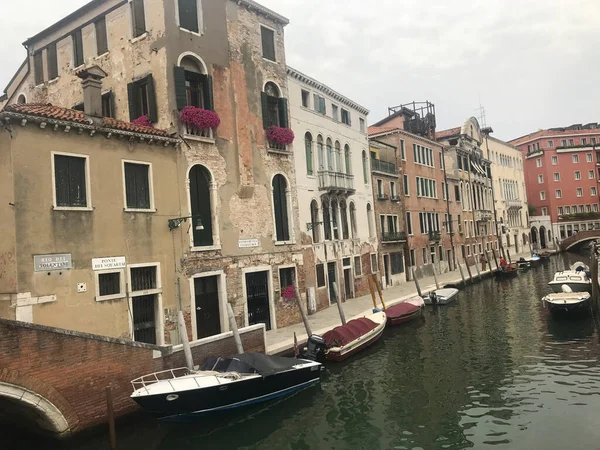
[(495, 258), (339, 303), (478, 272), (469, 271), (234, 329), (487, 257), (508, 255), (462, 275), (110, 412), (417, 283), (303, 315)]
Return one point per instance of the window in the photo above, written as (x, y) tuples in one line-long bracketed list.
[(593, 141), (142, 99), (362, 124), (110, 285), (335, 112), (374, 267), (319, 104), (424, 256), (543, 195), (563, 143), (320, 275), (575, 158), (314, 220), (560, 211), (52, 61), (308, 146), (588, 208), (101, 36), (274, 107), (365, 167), (591, 174), (305, 98), (347, 160), (593, 191), (558, 194), (108, 105), (550, 144), (38, 67), (595, 207), (457, 193), (189, 18), (380, 188), (193, 87), (538, 162), (70, 181), (555, 160), (201, 200), (406, 186), (402, 150), (409, 226), (344, 217), (346, 117), (556, 176), (397, 263), (571, 143), (426, 187), (370, 221), (77, 48), (357, 266), (287, 279), (326, 219), (353, 227), (568, 210), (588, 157), (392, 189), (540, 179), (544, 211), (577, 175), (138, 17), (268, 43), (280, 206), (138, 185)]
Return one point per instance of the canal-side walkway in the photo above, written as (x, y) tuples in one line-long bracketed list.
[(282, 339)]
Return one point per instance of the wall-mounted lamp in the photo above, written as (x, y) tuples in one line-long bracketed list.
[(176, 223)]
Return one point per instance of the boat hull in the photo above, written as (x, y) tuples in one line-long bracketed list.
[(506, 275), (571, 308), (341, 353), (535, 262), (575, 287), (195, 403), (443, 296), (405, 318)]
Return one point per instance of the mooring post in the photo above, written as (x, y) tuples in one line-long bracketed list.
[(462, 275), (417, 283), (495, 258), (478, 272), (183, 335), (234, 329), (469, 271), (111, 419), (339, 303), (487, 257), (303, 315), (437, 285), (508, 255), (376, 282)]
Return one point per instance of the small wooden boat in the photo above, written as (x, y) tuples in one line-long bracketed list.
[(524, 265), (568, 302), (405, 311), (347, 340), (221, 384), (506, 274), (441, 296), (534, 261), (545, 256)]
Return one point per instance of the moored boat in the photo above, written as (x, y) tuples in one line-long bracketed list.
[(441, 296), (523, 265), (506, 273), (568, 302), (221, 384), (347, 340), (405, 311), (534, 261), (577, 281)]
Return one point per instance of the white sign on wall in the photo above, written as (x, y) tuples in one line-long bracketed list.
[(117, 262), (248, 243), (44, 263)]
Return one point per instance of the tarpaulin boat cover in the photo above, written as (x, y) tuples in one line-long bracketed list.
[(344, 334), (260, 363), (401, 309)]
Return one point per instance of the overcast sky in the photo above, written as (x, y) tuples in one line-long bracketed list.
[(531, 63)]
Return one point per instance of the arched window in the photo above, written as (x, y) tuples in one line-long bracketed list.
[(308, 145), (353, 220), (326, 219), (280, 206), (347, 158), (200, 200), (344, 215), (274, 107), (193, 86), (334, 219), (338, 157), (365, 167), (21, 100), (330, 156), (320, 155), (314, 218), (370, 221)]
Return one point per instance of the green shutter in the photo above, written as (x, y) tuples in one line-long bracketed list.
[(265, 113), (208, 94), (152, 109), (283, 113), (180, 92), (134, 111)]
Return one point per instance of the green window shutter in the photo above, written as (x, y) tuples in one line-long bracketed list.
[(180, 93), (265, 106), (209, 102), (111, 96), (152, 109), (133, 100), (188, 15), (283, 113)]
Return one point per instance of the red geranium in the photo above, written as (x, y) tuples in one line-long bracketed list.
[(288, 292), (281, 136), (198, 118), (143, 121)]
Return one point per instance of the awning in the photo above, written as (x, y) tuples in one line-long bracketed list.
[(478, 168)]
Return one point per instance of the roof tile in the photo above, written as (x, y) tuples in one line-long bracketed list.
[(446, 133)]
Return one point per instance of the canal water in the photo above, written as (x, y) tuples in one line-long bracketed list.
[(491, 370)]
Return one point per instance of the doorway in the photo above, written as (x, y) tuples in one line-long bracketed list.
[(208, 317), (449, 259), (144, 319), (257, 293), (386, 267), (331, 269), (348, 283)]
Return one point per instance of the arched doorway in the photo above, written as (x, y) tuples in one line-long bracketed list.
[(524, 239), (543, 237), (534, 236)]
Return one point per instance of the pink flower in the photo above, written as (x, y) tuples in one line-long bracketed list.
[(198, 118), (143, 121), (288, 292), (281, 136)]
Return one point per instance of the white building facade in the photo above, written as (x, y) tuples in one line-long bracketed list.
[(334, 191)]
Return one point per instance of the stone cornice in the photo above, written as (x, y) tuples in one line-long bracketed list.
[(252, 5)]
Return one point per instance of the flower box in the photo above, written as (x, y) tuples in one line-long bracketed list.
[(143, 121), (198, 121), (279, 138)]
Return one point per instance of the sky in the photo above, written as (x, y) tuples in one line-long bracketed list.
[(531, 63)]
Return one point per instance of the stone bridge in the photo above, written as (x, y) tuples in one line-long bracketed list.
[(579, 238), (54, 380)]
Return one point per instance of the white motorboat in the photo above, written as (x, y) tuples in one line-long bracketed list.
[(441, 296), (576, 280), (568, 302)]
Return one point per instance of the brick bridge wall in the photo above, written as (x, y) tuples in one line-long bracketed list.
[(578, 238), (71, 369)]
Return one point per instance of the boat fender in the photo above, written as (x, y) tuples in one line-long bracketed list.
[(377, 310), (565, 288)]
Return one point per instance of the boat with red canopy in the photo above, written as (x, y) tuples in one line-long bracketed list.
[(405, 311), (346, 340)]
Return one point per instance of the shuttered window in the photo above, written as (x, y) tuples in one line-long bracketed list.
[(38, 67), (109, 284), (188, 15), (52, 61), (77, 48), (137, 186), (320, 275), (193, 89), (138, 17), (397, 263), (70, 182), (200, 199), (268, 43), (280, 206), (101, 36), (142, 99)]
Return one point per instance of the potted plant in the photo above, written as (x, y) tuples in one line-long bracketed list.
[(198, 121), (279, 137), (143, 121)]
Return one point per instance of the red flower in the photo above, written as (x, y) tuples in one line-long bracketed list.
[(281, 136), (198, 118), (143, 121), (288, 292)]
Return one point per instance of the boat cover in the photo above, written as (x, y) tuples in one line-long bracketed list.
[(344, 334), (401, 309), (260, 363)]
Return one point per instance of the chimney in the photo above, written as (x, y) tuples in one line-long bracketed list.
[(91, 81)]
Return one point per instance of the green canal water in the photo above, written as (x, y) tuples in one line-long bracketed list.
[(491, 370)]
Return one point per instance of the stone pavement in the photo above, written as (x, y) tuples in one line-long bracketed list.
[(282, 339)]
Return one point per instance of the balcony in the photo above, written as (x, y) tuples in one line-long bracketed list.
[(382, 196), (483, 216), (394, 236), (513, 204), (336, 182), (384, 167), (435, 236), (395, 198), (189, 132)]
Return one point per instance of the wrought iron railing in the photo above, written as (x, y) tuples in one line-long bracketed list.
[(378, 165), (394, 236)]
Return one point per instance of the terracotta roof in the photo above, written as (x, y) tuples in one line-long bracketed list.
[(376, 130), (553, 132), (70, 115), (447, 133)]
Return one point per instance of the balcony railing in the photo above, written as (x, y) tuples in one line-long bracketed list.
[(378, 165), (435, 236), (514, 204), (483, 216), (382, 196), (394, 236), (335, 181), (191, 131), (395, 198)]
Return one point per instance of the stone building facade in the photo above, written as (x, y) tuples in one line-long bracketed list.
[(333, 190), (224, 57)]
